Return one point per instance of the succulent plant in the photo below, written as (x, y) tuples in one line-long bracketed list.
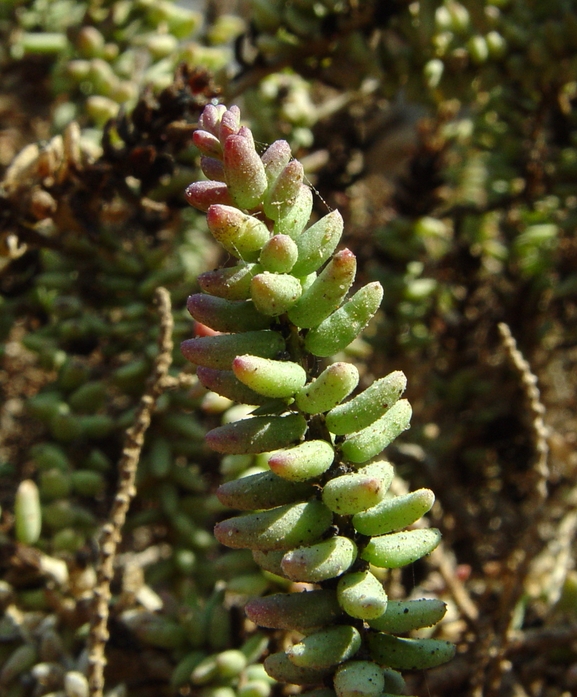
[(320, 514), (476, 229)]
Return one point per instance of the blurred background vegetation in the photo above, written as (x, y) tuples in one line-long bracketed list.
[(446, 134)]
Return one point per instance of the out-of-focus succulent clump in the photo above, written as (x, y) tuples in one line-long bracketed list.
[(282, 103), (102, 54)]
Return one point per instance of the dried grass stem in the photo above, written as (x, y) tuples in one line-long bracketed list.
[(111, 532)]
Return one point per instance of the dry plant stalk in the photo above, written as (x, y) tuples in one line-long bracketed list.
[(111, 533), (540, 431), (494, 649)]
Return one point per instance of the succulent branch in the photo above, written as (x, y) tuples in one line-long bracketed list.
[(321, 514)]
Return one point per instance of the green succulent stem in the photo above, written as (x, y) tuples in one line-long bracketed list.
[(293, 309)]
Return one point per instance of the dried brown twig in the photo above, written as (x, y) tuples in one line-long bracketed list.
[(540, 431), (446, 567), (495, 646), (111, 533)]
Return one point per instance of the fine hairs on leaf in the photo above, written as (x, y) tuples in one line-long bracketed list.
[(323, 513)]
